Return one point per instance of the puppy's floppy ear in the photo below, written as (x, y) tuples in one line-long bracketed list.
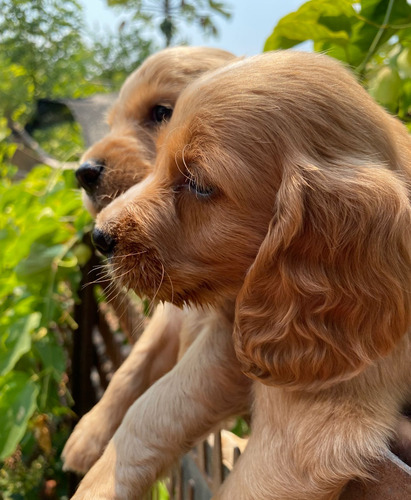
[(328, 292)]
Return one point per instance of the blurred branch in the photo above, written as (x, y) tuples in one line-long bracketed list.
[(30, 153)]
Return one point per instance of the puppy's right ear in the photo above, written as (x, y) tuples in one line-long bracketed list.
[(329, 291)]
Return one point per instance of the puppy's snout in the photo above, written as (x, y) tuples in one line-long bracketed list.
[(103, 242), (89, 173)]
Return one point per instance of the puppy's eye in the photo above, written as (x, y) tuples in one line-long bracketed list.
[(161, 113), (199, 189)]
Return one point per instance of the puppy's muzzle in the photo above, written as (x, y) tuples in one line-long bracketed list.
[(103, 242), (88, 175)]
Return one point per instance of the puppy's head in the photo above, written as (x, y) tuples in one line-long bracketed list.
[(146, 102), (280, 184)]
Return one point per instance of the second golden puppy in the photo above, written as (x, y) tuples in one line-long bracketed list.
[(120, 160)]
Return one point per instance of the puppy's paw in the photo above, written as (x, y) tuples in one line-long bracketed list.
[(99, 482), (87, 442), (87, 495)]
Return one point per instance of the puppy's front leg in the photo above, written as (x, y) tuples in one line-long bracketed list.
[(153, 355), (205, 387)]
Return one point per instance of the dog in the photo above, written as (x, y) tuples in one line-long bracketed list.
[(120, 160), (145, 104), (280, 199)]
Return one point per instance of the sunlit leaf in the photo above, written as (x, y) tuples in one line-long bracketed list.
[(15, 340), (318, 20), (17, 403), (52, 355)]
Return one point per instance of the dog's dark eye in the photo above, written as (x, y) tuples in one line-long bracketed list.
[(161, 113), (198, 189)]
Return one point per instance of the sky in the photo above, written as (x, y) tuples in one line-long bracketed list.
[(251, 23)]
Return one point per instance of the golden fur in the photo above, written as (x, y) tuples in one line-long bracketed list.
[(128, 153), (280, 199)]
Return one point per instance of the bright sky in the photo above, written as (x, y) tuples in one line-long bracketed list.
[(251, 23)]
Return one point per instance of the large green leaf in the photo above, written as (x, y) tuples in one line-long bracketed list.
[(17, 403), (317, 20), (339, 30), (15, 340)]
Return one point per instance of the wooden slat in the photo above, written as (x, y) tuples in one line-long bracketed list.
[(217, 462)]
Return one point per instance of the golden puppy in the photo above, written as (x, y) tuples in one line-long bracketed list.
[(281, 196), (145, 104), (120, 160)]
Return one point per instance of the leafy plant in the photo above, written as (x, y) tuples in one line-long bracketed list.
[(372, 36), (42, 223), (46, 52)]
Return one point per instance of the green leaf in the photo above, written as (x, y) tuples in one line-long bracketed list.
[(17, 403), (39, 261), (385, 88), (51, 355), (318, 20), (380, 21), (15, 340)]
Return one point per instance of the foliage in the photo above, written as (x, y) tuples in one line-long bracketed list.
[(119, 54), (47, 53), (168, 13), (42, 223), (44, 53), (372, 36), (42, 44), (160, 491)]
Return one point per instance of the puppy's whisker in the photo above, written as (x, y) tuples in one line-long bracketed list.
[(111, 289), (159, 286), (113, 295), (184, 161), (99, 266), (137, 327), (119, 276), (171, 285), (99, 270), (97, 281), (125, 304), (103, 275), (178, 167), (132, 254), (106, 196)]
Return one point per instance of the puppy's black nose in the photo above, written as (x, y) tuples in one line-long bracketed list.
[(88, 174), (103, 242)]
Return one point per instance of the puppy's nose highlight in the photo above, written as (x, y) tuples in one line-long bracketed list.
[(103, 242), (88, 175)]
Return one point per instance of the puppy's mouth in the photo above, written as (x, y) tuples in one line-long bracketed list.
[(141, 272), (134, 266), (137, 263)]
